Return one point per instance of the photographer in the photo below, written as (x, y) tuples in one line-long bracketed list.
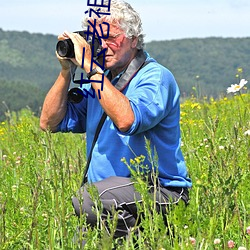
[(146, 106)]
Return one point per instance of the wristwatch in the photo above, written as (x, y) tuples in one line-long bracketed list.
[(96, 70)]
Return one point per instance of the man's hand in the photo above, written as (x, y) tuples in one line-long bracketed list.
[(66, 63), (79, 43)]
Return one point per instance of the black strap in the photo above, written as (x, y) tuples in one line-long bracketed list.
[(136, 64), (97, 132)]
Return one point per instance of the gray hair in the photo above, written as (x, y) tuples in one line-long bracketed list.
[(122, 15)]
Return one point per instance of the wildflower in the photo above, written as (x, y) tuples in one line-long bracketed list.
[(248, 230), (237, 87), (14, 188), (195, 106), (22, 210), (240, 70), (242, 248), (138, 160), (192, 240), (247, 133), (221, 147), (132, 162), (198, 182), (216, 241), (230, 244), (45, 216)]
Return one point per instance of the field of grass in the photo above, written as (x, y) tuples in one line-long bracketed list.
[(40, 172)]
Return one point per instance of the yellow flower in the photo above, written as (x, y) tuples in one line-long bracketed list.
[(132, 162), (195, 105), (138, 160), (240, 70)]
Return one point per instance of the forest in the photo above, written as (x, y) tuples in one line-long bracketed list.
[(202, 67)]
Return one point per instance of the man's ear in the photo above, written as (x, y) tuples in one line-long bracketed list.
[(134, 42)]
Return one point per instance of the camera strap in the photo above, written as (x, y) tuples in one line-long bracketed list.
[(136, 64)]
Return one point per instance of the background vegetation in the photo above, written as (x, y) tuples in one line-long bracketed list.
[(28, 66)]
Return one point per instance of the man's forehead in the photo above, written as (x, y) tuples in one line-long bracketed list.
[(113, 28)]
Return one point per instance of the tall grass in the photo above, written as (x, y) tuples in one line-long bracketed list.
[(40, 172)]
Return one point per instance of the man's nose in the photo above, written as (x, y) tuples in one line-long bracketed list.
[(104, 44)]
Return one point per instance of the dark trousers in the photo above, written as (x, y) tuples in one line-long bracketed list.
[(119, 194)]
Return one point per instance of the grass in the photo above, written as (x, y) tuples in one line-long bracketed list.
[(40, 172)]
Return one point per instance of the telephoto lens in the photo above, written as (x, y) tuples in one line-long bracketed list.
[(65, 48)]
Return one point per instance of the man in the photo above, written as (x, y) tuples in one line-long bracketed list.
[(141, 100)]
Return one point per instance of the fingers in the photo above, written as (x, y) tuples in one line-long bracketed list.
[(68, 35), (75, 37), (63, 36), (79, 43)]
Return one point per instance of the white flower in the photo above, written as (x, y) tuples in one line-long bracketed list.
[(221, 147), (14, 188), (192, 240), (242, 248), (247, 133), (217, 241), (22, 210), (248, 230), (237, 87)]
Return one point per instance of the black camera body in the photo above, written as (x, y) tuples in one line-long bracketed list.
[(65, 48)]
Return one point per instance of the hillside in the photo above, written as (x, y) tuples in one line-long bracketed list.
[(28, 66), (211, 63)]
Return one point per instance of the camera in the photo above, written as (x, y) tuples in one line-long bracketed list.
[(65, 48)]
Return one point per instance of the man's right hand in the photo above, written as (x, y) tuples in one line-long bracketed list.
[(66, 63)]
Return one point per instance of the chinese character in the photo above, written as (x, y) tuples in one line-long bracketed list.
[(97, 13), (99, 4)]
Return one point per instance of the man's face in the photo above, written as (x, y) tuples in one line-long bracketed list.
[(120, 49)]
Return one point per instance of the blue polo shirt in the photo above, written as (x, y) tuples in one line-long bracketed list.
[(154, 97)]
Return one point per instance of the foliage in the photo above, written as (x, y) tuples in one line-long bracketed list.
[(28, 68), (40, 172), (28, 58), (14, 95)]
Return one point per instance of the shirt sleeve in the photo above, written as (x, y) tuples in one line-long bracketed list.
[(75, 118), (154, 96)]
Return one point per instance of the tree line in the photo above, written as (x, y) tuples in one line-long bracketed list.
[(202, 67)]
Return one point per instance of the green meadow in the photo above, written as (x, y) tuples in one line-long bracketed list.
[(40, 172)]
